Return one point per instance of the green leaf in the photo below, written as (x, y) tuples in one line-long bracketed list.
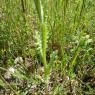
[(39, 9)]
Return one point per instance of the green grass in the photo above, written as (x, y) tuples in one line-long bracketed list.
[(55, 39)]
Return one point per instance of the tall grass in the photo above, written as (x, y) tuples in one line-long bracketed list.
[(65, 36)]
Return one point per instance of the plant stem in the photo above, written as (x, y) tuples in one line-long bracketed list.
[(39, 9), (15, 92)]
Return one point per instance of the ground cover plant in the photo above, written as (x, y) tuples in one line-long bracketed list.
[(47, 47)]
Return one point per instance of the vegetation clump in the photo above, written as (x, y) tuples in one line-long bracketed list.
[(47, 47)]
